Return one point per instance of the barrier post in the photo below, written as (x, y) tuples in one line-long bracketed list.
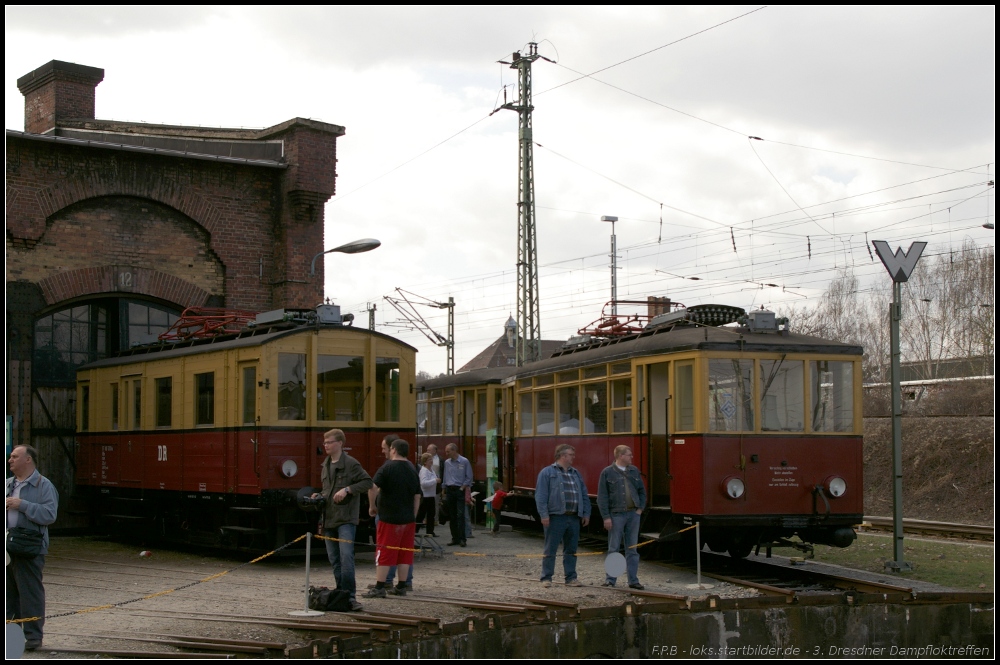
[(306, 612), (697, 558), (697, 554)]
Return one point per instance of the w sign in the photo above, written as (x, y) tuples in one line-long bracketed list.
[(900, 264)]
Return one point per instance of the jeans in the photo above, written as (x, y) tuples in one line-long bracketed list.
[(26, 595), (341, 556), (455, 496), (565, 529), (392, 576), (625, 528)]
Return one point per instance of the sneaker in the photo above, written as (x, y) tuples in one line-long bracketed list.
[(546, 584), (397, 591), (462, 544), (608, 583), (376, 593), (356, 606), (32, 645), (574, 583), (454, 543), (636, 586)]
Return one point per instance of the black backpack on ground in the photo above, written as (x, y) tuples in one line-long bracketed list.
[(329, 600)]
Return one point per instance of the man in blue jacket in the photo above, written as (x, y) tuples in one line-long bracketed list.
[(32, 502), (563, 505), (621, 498)]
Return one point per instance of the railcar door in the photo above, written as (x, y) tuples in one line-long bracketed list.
[(248, 440), (659, 422)]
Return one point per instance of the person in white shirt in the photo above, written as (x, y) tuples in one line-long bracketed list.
[(428, 488)]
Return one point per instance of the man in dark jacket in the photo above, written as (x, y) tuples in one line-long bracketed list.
[(621, 498), (32, 503), (344, 481)]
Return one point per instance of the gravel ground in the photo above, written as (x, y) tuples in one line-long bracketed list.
[(82, 573)]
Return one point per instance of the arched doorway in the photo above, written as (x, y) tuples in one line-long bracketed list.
[(70, 335)]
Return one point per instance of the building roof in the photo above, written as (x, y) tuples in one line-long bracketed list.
[(501, 354)]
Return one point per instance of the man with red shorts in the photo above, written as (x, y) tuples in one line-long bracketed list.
[(397, 487)]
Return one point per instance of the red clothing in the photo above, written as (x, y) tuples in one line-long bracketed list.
[(498, 499)]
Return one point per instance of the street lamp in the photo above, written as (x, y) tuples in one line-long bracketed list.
[(356, 247), (614, 264)]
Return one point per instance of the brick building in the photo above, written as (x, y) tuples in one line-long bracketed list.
[(113, 228)]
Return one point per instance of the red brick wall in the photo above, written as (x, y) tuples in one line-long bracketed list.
[(236, 212)]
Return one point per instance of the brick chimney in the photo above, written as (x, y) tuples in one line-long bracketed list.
[(656, 305), (58, 91)]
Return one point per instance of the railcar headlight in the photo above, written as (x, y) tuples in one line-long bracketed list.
[(836, 486), (289, 468), (733, 487)]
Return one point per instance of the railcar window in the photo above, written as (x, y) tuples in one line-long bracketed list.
[(481, 414), (545, 411), (387, 389), (544, 380), (422, 417), (435, 417), (564, 377), (569, 411), (204, 396), (422, 396), (595, 405), (292, 386), (782, 396), (498, 412), (249, 396), (621, 368), (436, 393), (114, 406), (449, 416), (595, 372), (621, 405), (137, 404), (730, 395), (340, 383), (524, 383), (684, 389), (84, 407), (164, 401), (832, 386), (525, 413)]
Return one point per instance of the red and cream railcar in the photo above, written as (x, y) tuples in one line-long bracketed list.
[(467, 409), (209, 440), (753, 431)]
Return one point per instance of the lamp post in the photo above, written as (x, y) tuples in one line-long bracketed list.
[(614, 264), (355, 247)]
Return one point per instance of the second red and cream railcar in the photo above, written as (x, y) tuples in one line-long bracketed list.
[(751, 430)]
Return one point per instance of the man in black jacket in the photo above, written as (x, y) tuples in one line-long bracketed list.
[(621, 498), (344, 480)]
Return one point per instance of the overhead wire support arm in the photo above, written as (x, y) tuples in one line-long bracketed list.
[(407, 307)]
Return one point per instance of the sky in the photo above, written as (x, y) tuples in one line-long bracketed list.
[(875, 123)]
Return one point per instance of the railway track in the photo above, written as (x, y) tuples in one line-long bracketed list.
[(928, 528), (772, 578)]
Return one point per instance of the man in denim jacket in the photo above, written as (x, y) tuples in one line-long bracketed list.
[(621, 498), (563, 505), (32, 502)]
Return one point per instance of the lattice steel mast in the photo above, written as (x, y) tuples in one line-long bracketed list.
[(528, 317)]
